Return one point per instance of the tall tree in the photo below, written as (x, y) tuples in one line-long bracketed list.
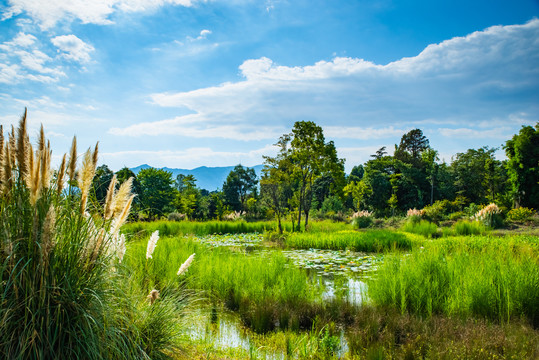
[(523, 166), (311, 157), (157, 192), (100, 183), (240, 182), (412, 144)]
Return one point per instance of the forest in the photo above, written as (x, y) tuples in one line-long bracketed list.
[(306, 179)]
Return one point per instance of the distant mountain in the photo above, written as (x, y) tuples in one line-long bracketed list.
[(209, 178)]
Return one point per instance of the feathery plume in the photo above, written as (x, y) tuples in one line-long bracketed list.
[(186, 265), (123, 194), (152, 243), (109, 199), (41, 140), (35, 183), (8, 166), (47, 240), (154, 295), (72, 159), (61, 174), (120, 249), (30, 165), (86, 175), (46, 167), (22, 147), (12, 147), (95, 155), (122, 217)]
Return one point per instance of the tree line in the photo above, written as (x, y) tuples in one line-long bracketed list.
[(307, 178)]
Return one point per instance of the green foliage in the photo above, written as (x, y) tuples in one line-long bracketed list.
[(423, 227), (363, 222), (520, 214), (466, 227), (438, 211), (522, 167), (483, 277), (239, 183), (156, 190)]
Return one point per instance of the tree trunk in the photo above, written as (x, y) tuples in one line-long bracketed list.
[(306, 220), (280, 226)]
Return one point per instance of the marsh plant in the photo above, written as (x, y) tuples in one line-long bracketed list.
[(490, 215), (62, 294)]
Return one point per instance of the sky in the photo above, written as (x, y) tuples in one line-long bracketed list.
[(188, 83)]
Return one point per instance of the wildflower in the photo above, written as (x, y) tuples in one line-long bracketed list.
[(363, 213), (152, 243), (154, 295), (186, 265)]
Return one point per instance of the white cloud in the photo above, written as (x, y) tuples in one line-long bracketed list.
[(360, 133), (194, 127), (73, 48), (503, 133), (189, 158), (463, 81), (48, 13), (22, 59)]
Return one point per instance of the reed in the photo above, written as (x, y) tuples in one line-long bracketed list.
[(486, 277)]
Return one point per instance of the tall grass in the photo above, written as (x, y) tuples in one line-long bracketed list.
[(183, 228), (493, 278), (422, 227), (265, 290), (369, 241), (61, 290)]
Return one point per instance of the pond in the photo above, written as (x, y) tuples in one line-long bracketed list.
[(342, 273)]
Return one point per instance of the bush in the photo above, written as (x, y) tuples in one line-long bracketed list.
[(520, 214), (437, 211), (362, 219), (174, 216)]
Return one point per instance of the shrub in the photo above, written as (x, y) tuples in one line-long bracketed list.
[(362, 219), (490, 215), (520, 214), (175, 217), (437, 211)]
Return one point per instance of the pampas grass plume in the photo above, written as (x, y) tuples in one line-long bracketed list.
[(186, 265), (85, 178), (152, 243), (72, 159), (61, 174)]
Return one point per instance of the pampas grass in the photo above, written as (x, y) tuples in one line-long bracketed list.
[(185, 265), (152, 243)]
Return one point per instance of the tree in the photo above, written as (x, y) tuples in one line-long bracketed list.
[(359, 191), (311, 157), (523, 166), (157, 192), (471, 173), (240, 182), (412, 144), (275, 185), (356, 174)]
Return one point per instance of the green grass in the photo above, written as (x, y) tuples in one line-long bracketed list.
[(486, 277), (423, 227), (262, 289), (182, 228), (368, 241)]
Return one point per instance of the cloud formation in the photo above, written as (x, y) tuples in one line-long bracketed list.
[(73, 48), (21, 58), (464, 81), (48, 13)]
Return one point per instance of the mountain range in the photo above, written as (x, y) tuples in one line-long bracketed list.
[(209, 178)]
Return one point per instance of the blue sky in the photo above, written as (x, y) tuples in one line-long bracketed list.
[(187, 83)]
